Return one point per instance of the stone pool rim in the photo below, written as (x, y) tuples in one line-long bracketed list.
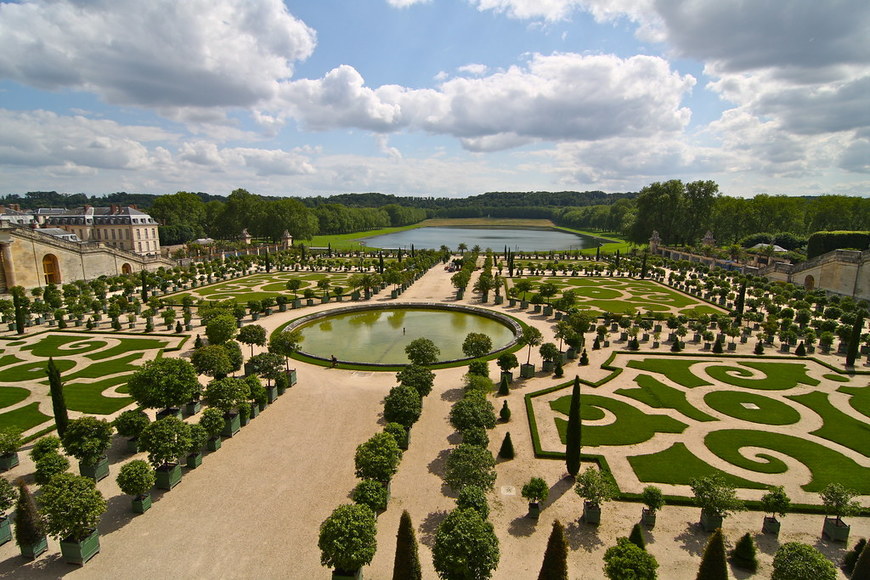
[(504, 319)]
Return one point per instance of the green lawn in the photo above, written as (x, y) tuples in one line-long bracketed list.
[(676, 369), (24, 418), (860, 400), (32, 371), (677, 465), (827, 466), (88, 397), (661, 396), (11, 395), (778, 376), (769, 411), (838, 426)]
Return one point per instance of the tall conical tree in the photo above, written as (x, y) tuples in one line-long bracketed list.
[(713, 564), (855, 338), (862, 566), (406, 566), (573, 433), (507, 447), (636, 537), (504, 388), (144, 279), (29, 525), (555, 566), (58, 404)]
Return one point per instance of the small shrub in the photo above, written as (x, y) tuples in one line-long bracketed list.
[(504, 387), (745, 554), (371, 493), (584, 358), (506, 451), (536, 490), (131, 423), (558, 372), (596, 344), (851, 557), (136, 478), (717, 347), (479, 368), (676, 347), (759, 348), (505, 413)]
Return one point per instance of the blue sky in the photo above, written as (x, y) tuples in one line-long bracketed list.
[(434, 97)]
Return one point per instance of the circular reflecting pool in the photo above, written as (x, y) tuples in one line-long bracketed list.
[(379, 335)]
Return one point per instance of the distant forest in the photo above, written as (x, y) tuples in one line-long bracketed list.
[(681, 212)]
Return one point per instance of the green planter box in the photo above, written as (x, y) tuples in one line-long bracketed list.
[(272, 394), (344, 575), (836, 530), (32, 551), (527, 371), (512, 302), (548, 310), (170, 412), (213, 444), (571, 353), (282, 308), (133, 445), (8, 461), (534, 510), (80, 552), (291, 374), (507, 374), (194, 460), (5, 530), (771, 526), (142, 503), (192, 408), (255, 410), (536, 308), (547, 366), (648, 518), (310, 302), (297, 303), (499, 299), (591, 513), (96, 471), (168, 476), (524, 304), (709, 522), (232, 424)]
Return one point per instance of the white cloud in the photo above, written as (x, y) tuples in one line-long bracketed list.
[(405, 3), (160, 53), (474, 69)]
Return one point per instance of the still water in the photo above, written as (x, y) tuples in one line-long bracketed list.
[(380, 336), (494, 238)]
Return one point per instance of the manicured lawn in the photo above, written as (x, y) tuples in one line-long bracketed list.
[(59, 345), (778, 376), (88, 397), (26, 417), (677, 465), (860, 400), (769, 411), (838, 426), (127, 345), (676, 369), (105, 368), (631, 426), (32, 371), (661, 396), (836, 378), (11, 395), (827, 466)]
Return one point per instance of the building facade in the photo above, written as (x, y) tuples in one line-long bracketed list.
[(124, 228)]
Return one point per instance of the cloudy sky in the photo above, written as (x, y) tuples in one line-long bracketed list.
[(438, 97)]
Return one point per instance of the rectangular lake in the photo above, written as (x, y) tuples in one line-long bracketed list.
[(494, 238)]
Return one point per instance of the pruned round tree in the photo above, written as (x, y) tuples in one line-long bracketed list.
[(221, 328), (470, 465), (226, 394), (348, 538), (378, 458), (423, 352), (796, 561), (164, 383), (285, 343), (466, 547), (252, 335), (212, 360), (418, 377), (627, 560), (165, 441), (403, 405), (472, 411), (72, 506), (87, 439), (476, 345)]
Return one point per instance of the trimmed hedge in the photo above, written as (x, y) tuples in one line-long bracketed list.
[(824, 242)]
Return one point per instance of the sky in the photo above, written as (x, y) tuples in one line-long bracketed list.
[(446, 98)]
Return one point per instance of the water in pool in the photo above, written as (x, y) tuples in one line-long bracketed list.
[(380, 336), (494, 238)]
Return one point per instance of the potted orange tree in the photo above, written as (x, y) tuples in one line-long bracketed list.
[(73, 506), (87, 439), (136, 478)]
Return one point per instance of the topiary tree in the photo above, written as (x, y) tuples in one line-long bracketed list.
[(507, 361), (465, 547), (406, 565), (573, 433), (713, 563), (796, 561), (48, 466), (745, 553), (626, 560), (45, 445), (636, 537), (476, 345), (418, 377), (136, 478), (403, 405), (58, 403), (164, 383), (838, 501), (212, 360), (165, 441), (470, 465), (226, 394), (472, 411), (584, 358), (252, 334), (370, 493), (378, 458), (212, 420), (504, 387), (555, 564), (87, 439), (221, 329), (505, 413), (423, 352), (130, 423), (506, 451), (474, 498), (348, 538), (862, 565), (595, 487), (72, 506), (30, 526), (536, 490)]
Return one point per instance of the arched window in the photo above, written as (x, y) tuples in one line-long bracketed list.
[(126, 269), (50, 269), (809, 283)]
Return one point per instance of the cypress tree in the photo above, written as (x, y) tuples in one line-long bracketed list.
[(636, 537), (713, 564), (573, 434), (555, 565), (504, 387), (851, 558), (19, 310), (739, 303), (268, 261), (862, 566), (745, 553), (29, 525), (144, 278), (507, 447), (643, 268), (58, 404), (406, 566), (854, 339)]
